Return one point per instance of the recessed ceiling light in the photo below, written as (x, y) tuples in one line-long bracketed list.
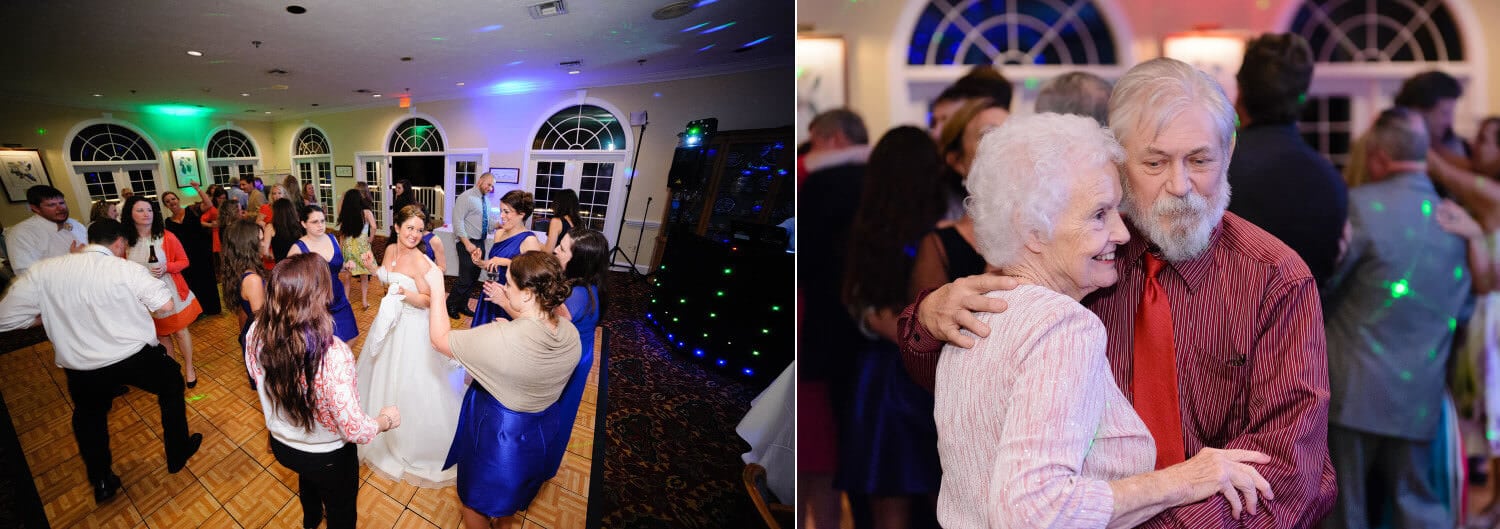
[(406, 59), (460, 83), (98, 95), (244, 94), (268, 112), (195, 53), (573, 72), (296, 9), (375, 95), (314, 104)]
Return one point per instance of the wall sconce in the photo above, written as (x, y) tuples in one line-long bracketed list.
[(1217, 52)]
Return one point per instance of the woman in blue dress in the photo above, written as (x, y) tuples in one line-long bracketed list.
[(511, 419), (512, 239), (317, 240), (584, 256)]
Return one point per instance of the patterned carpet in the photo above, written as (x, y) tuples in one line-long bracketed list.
[(672, 458)]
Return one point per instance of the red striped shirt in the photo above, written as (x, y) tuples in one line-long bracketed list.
[(1252, 365)]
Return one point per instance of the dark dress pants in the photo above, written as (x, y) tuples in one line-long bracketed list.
[(468, 275), (93, 394), (328, 481)]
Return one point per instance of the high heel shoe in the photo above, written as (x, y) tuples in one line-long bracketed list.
[(192, 383)]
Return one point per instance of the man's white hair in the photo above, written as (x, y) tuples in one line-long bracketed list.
[(1022, 176), (1155, 92)]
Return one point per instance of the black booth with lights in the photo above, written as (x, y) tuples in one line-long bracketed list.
[(723, 293)]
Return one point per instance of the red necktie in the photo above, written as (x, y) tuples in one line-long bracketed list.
[(1154, 377)]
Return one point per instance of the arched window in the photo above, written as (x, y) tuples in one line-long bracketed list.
[(230, 155), (1011, 32), (110, 143), (311, 142), (1363, 49), (1368, 31), (314, 162), (580, 128), (416, 135), (580, 147), (110, 157), (1030, 40)]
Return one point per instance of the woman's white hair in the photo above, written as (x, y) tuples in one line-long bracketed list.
[(1161, 89), (1022, 176)]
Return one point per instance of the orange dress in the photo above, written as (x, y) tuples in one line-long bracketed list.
[(184, 308)]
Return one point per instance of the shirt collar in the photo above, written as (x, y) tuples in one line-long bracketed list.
[(99, 249), (1194, 272)]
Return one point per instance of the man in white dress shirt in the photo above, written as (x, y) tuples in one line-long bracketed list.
[(96, 307), (472, 225), (48, 233)]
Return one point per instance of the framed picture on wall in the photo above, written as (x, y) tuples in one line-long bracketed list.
[(346, 171), (185, 165), (506, 175), (821, 73), (20, 169)]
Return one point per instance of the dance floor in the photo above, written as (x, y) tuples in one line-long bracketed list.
[(233, 481)]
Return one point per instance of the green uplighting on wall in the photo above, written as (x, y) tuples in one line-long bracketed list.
[(1426, 208), (1452, 324), (41, 132), (1458, 273), (184, 111)]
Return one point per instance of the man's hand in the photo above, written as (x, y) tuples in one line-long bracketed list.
[(952, 306), (74, 247), (473, 252)]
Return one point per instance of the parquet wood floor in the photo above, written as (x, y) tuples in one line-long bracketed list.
[(233, 481)]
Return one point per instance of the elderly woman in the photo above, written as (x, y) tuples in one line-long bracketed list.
[(1032, 430)]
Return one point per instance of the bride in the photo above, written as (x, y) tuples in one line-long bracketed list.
[(398, 366)]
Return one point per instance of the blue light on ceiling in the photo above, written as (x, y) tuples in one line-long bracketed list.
[(756, 41), (693, 28), (514, 63), (513, 86), (702, 3), (705, 48), (716, 28), (491, 27)]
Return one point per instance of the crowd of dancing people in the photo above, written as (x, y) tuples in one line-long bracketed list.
[(488, 409), (1064, 318)]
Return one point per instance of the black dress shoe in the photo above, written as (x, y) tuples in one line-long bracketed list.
[(175, 464), (105, 489)]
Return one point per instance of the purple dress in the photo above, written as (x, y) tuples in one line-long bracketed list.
[(486, 311)]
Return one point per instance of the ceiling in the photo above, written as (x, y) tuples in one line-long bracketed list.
[(133, 55)]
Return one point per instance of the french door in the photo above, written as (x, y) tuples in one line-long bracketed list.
[(598, 183)]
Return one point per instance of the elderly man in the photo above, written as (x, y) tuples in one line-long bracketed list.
[(472, 225), (1080, 93), (1215, 331), (1388, 310), (47, 233), (1280, 183), (96, 307)]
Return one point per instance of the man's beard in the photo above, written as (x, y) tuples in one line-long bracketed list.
[(1179, 226)]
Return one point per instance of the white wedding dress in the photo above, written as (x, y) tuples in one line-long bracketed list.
[(398, 366)]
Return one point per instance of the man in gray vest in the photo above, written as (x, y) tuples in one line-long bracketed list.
[(1389, 311)]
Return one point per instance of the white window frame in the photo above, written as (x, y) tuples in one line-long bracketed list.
[(913, 87), (120, 168), (614, 213), (1372, 87), (233, 163)]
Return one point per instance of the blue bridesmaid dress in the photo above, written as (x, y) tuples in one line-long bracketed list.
[(505, 456), (344, 326), (485, 311)]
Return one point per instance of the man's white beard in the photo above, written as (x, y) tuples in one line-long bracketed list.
[(1179, 226)]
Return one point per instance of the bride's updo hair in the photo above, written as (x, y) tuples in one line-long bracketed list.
[(540, 273)]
